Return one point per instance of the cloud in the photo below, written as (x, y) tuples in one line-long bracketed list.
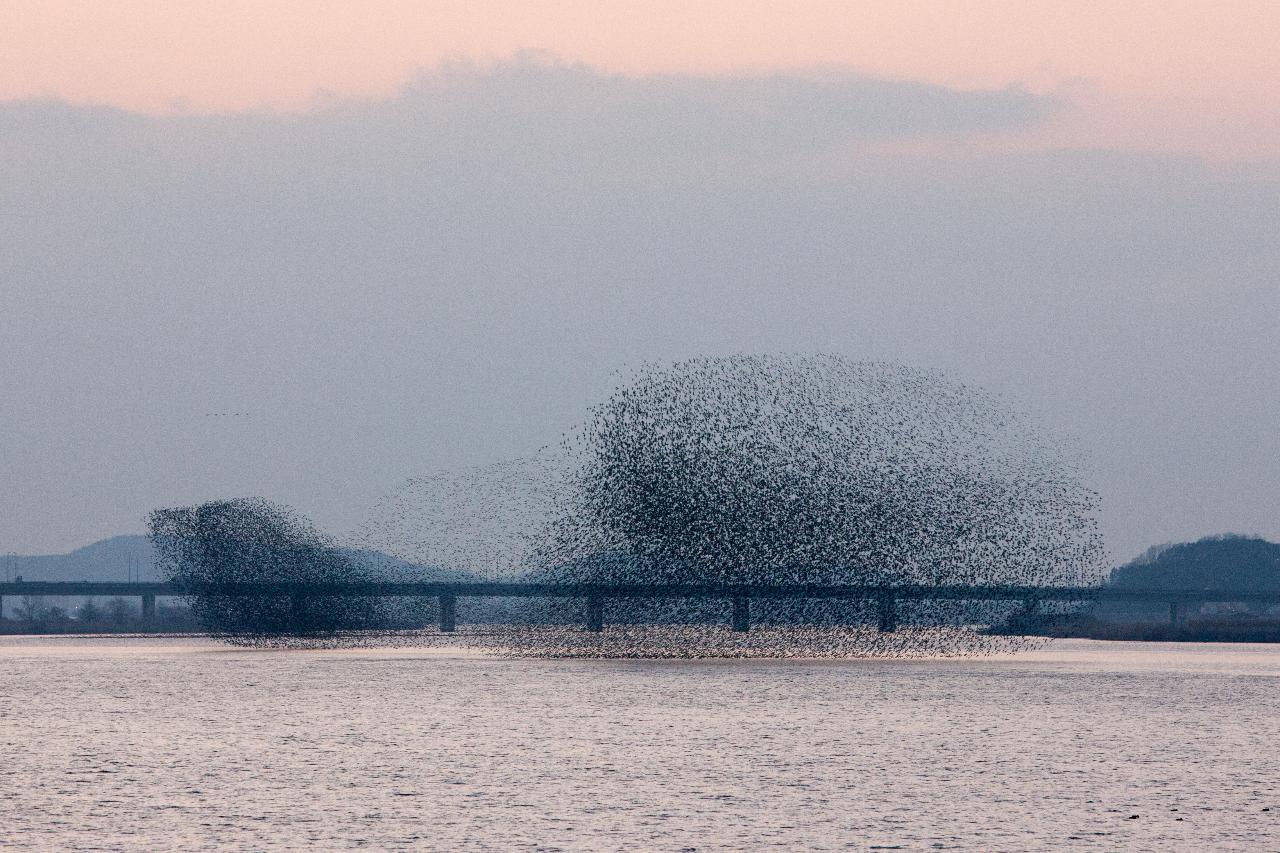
[(556, 104), (551, 102), (451, 275)]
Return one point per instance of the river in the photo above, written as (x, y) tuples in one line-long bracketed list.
[(163, 743)]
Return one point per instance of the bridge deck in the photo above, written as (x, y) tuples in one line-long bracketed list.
[(548, 590), (886, 597)]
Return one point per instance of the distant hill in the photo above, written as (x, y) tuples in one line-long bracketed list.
[(132, 557), (1215, 562), (116, 559)]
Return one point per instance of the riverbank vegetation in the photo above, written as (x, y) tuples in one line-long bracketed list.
[(33, 614)]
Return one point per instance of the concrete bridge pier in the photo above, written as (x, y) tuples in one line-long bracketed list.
[(148, 608), (595, 614), (1030, 612), (742, 614), (888, 612), (448, 612)]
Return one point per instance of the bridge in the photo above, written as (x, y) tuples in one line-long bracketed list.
[(886, 598)]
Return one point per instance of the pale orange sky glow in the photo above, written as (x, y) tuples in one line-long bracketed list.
[(1194, 77)]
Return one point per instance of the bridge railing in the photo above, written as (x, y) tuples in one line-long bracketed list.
[(447, 593)]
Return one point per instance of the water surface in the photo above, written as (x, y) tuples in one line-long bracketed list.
[(152, 744)]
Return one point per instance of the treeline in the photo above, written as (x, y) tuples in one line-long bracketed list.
[(1214, 563), (33, 614), (1229, 561), (1198, 629)]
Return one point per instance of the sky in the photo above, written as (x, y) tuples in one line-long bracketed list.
[(1170, 75), (309, 250)]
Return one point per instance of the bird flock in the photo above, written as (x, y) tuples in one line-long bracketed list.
[(211, 547), (752, 470)]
